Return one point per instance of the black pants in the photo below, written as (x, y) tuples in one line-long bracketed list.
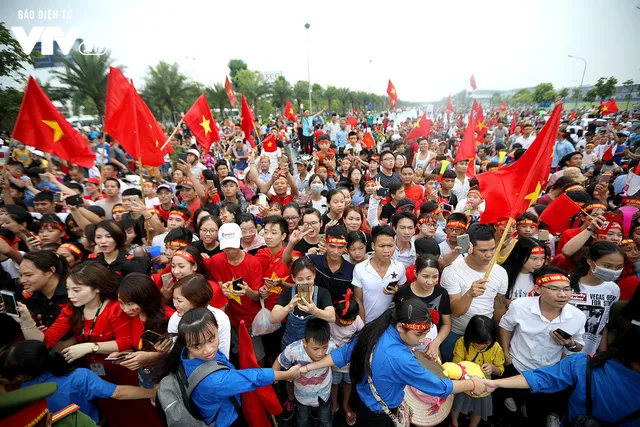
[(306, 143)]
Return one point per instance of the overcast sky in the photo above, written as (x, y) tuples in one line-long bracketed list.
[(427, 48)]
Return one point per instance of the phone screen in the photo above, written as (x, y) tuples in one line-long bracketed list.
[(604, 179), (150, 336), (303, 291), (236, 284), (382, 192), (10, 304)]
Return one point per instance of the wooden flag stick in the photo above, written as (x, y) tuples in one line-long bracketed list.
[(498, 248), (146, 224), (172, 134)]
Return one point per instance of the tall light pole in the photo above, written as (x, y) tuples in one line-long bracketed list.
[(584, 70), (306, 26)]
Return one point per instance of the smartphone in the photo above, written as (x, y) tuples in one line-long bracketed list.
[(43, 177), (382, 192), (115, 359), (543, 235), (262, 200), (57, 197), (604, 179), (210, 182), (75, 200), (167, 278), (236, 284), (150, 336), (447, 207), (392, 286), (563, 334), (463, 243), (303, 291), (10, 303)]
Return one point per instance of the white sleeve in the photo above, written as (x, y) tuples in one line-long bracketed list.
[(372, 213), (357, 280), (449, 282), (403, 276), (509, 320)]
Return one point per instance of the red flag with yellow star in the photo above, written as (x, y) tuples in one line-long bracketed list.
[(481, 126), (230, 93), (467, 149), (609, 107), (422, 128), (246, 122), (289, 112), (269, 144), (391, 91), (130, 122), (41, 125), (201, 123), (509, 191)]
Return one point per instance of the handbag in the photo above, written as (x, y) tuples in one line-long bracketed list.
[(402, 417)]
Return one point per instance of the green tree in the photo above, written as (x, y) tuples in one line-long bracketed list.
[(301, 92), (577, 94), (10, 100), (523, 96), (496, 99), (605, 88), (236, 65), (281, 90), (591, 95), (628, 85), (12, 57), (86, 77), (217, 96), (252, 84), (317, 93), (543, 93), (166, 87), (563, 93), (330, 94), (344, 96)]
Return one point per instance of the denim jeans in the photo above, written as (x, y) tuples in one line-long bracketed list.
[(303, 413), (446, 348)]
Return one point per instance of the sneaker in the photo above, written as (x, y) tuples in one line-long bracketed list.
[(510, 404), (289, 408), (553, 421)]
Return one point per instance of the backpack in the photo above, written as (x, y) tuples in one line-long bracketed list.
[(174, 396)]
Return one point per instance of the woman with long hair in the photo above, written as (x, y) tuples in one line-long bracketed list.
[(207, 231), (527, 256), (381, 355), (355, 178), (110, 239), (197, 343), (52, 230), (337, 204)]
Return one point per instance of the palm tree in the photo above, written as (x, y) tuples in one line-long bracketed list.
[(252, 84), (301, 91), (217, 95), (280, 91), (344, 95), (330, 93), (166, 87), (86, 76)]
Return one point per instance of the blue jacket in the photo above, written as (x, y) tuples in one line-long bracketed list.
[(393, 368), (615, 389), (213, 394)]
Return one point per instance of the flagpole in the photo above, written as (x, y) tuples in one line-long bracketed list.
[(172, 134), (146, 224), (498, 248)]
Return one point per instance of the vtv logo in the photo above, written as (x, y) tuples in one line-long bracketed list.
[(46, 35)]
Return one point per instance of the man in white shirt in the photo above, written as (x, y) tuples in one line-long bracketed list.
[(469, 292), (404, 224), (332, 128), (461, 186), (527, 138)]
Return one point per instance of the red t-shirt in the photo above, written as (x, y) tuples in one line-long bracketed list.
[(251, 272), (414, 193), (163, 213), (565, 237), (330, 155), (410, 272), (273, 268), (282, 200)]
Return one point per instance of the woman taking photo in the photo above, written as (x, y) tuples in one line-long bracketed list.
[(382, 352), (110, 240), (217, 395), (527, 256), (208, 232)]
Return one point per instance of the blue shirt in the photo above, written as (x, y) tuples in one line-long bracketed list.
[(615, 389), (212, 395), (341, 138), (393, 368), (619, 183), (81, 387), (562, 148), (307, 126)]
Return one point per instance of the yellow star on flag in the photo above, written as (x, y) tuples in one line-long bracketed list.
[(269, 144), (418, 124), (533, 196), (605, 108), (290, 110), (156, 143), (274, 276), (393, 91), (57, 132), (481, 125), (206, 125)]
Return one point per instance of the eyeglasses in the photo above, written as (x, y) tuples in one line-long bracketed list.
[(291, 218), (208, 231), (311, 223), (566, 290)]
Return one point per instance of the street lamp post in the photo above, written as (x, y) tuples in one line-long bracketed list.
[(306, 26), (584, 70)]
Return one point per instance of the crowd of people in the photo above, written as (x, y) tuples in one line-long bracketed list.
[(353, 255)]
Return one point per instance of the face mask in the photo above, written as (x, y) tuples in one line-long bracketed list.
[(605, 274), (316, 188)]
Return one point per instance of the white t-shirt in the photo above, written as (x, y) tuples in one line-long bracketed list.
[(523, 287), (526, 142), (224, 328), (445, 248), (457, 279), (375, 300), (150, 203), (595, 302), (12, 267), (460, 189), (343, 334), (320, 205)]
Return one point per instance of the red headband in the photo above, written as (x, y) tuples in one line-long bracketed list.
[(553, 277), (180, 214), (73, 249), (502, 222), (336, 241), (427, 220), (575, 187), (185, 255), (53, 224), (458, 224), (613, 225), (416, 326), (594, 206), (476, 192), (527, 222), (436, 211), (346, 301), (626, 241), (538, 250), (628, 201), (118, 209), (176, 244)]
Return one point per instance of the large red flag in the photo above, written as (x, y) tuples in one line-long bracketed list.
[(467, 149), (472, 81), (129, 121), (422, 128), (368, 140), (230, 93), (269, 144), (481, 126), (391, 91), (558, 213), (289, 112), (246, 122), (255, 404), (202, 124), (510, 190), (608, 153), (609, 107), (41, 125)]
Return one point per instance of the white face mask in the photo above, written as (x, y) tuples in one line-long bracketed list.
[(605, 274), (316, 188)]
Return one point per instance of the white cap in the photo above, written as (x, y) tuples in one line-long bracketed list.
[(194, 152), (230, 178), (38, 153), (229, 236)]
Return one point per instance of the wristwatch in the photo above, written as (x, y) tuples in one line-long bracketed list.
[(95, 347), (573, 347)]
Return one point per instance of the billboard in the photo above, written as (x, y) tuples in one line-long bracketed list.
[(270, 76)]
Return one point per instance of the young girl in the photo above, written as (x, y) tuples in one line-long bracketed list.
[(72, 252), (347, 324), (336, 202), (52, 230), (208, 231), (527, 256), (480, 346), (355, 178), (356, 247), (316, 187)]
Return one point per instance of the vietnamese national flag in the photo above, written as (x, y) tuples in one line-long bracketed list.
[(503, 107), (201, 123), (289, 112), (130, 122), (572, 116), (558, 213), (255, 404), (608, 153), (481, 127), (368, 140), (246, 122), (422, 128), (510, 190), (230, 93), (42, 126), (609, 107), (269, 144), (391, 91), (352, 121), (514, 123), (467, 149), (472, 80)]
